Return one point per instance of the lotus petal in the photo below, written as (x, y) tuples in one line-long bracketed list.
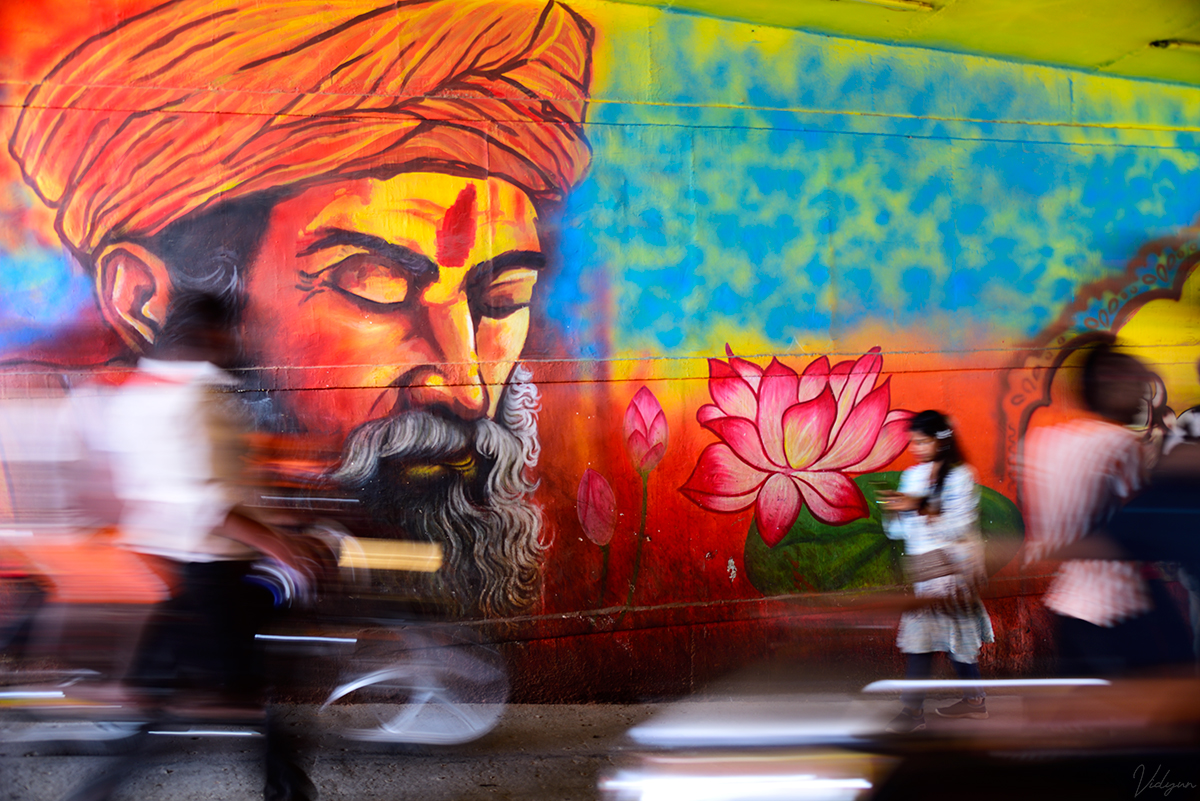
[(832, 497), (720, 503), (778, 505), (653, 457), (596, 506), (839, 375), (806, 429), (730, 391), (719, 471), (858, 434), (638, 448), (749, 371), (647, 405), (891, 442), (742, 436), (708, 412), (633, 421), (658, 433), (863, 374), (776, 394), (839, 378), (813, 380)]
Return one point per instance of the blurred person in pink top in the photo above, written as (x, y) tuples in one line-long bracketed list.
[(1077, 475)]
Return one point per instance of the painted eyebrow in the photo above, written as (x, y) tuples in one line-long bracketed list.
[(407, 258), (529, 259)]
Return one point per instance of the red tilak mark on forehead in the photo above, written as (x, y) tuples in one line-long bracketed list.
[(456, 237)]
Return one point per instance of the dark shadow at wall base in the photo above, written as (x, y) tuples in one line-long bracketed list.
[(656, 658)]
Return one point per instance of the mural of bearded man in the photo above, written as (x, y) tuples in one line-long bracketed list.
[(366, 183)]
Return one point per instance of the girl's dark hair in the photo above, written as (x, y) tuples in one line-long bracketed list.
[(936, 426)]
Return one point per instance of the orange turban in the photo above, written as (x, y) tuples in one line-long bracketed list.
[(200, 101)]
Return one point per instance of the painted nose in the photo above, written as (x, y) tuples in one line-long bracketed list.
[(456, 382)]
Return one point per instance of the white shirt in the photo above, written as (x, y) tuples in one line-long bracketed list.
[(955, 528), (163, 445), (958, 515)]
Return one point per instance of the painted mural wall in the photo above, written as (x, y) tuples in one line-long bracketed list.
[(628, 309)]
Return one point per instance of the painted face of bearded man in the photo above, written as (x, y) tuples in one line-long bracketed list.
[(384, 297), (416, 291)]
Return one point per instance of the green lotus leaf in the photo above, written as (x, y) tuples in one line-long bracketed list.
[(817, 557)]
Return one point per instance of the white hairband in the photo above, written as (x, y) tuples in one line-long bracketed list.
[(944, 433)]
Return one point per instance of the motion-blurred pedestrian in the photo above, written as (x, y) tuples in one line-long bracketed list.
[(1077, 476), (936, 514), (173, 444)]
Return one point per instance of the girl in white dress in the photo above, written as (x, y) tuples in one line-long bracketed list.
[(936, 514)]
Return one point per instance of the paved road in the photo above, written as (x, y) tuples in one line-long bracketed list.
[(559, 752), (536, 752)]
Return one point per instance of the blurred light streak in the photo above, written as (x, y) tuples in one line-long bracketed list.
[(375, 554), (751, 732), (902, 685), (205, 733), (632, 785), (307, 498), (298, 638)]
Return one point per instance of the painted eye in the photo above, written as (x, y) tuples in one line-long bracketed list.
[(365, 277), (511, 291)]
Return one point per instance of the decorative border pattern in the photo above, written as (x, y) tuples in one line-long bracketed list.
[(1158, 271)]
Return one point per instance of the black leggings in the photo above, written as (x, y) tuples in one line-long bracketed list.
[(920, 666)]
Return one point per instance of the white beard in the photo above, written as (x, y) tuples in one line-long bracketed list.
[(485, 522)]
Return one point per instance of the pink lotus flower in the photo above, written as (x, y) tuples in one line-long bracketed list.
[(788, 440), (645, 431), (596, 506)]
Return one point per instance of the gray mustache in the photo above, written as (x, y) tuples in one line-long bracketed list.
[(421, 436), (413, 435)]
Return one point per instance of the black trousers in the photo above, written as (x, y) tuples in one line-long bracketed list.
[(1158, 638), (203, 639)]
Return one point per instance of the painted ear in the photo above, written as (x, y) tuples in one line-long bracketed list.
[(134, 288)]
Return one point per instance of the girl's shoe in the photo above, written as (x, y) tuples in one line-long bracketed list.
[(907, 722), (965, 709)]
